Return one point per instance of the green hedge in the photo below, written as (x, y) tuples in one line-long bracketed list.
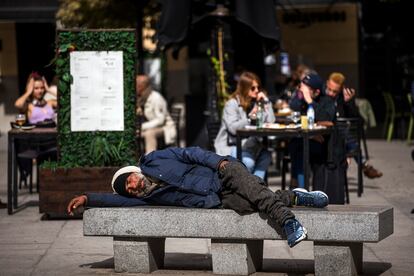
[(100, 148)]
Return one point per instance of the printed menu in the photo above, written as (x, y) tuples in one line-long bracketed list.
[(97, 91)]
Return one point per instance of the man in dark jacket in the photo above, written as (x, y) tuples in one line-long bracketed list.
[(193, 177), (344, 99), (308, 93)]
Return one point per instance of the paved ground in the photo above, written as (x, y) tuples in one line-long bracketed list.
[(31, 246)]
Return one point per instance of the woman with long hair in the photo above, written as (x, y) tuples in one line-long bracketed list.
[(238, 112), (32, 102)]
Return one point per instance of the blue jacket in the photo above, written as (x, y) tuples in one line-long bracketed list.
[(191, 175)]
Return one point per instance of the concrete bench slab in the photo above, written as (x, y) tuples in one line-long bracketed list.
[(139, 235)]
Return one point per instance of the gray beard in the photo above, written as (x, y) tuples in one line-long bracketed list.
[(147, 182)]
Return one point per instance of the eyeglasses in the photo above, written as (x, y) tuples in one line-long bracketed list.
[(253, 88)]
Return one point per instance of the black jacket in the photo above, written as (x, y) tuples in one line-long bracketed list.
[(323, 105)]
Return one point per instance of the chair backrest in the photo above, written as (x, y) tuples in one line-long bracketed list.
[(389, 102), (351, 129), (213, 128), (175, 113)]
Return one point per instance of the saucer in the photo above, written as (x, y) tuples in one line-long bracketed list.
[(28, 127), (14, 125), (25, 126)]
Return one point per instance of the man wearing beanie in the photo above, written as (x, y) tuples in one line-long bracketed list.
[(309, 92), (193, 177)]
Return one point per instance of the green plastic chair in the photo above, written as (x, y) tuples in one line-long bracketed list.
[(389, 115), (411, 123)]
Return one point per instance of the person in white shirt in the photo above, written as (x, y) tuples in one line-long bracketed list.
[(153, 112)]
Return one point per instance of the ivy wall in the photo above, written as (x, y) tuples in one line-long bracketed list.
[(100, 148)]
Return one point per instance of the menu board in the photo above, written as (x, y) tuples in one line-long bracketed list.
[(97, 90)]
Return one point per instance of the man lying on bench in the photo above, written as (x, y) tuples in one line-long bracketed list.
[(193, 177)]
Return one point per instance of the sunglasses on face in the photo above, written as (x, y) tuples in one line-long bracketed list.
[(253, 88)]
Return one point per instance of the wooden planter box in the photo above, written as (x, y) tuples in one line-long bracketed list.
[(59, 186)]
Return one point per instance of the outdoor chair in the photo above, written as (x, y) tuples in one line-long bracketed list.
[(411, 123), (280, 147), (392, 116), (213, 128), (38, 150), (352, 129)]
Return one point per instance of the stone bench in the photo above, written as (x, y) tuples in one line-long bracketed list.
[(338, 233)]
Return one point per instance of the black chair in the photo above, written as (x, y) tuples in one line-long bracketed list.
[(213, 128), (285, 159), (352, 129), (280, 148), (39, 150)]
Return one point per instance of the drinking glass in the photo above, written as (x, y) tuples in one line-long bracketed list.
[(295, 117), (20, 119), (253, 119)]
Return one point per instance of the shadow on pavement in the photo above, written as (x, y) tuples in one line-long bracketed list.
[(108, 263), (376, 268), (203, 262)]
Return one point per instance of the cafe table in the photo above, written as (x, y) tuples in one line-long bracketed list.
[(33, 135), (284, 133)]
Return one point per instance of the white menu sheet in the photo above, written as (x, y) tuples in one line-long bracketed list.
[(97, 91)]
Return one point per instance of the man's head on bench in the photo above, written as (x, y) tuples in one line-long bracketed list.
[(129, 181)]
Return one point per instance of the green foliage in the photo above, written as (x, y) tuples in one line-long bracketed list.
[(222, 87), (103, 148), (105, 13)]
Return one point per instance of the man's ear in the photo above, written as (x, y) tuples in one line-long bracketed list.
[(316, 93)]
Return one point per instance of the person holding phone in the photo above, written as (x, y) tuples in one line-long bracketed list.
[(309, 92), (344, 98)]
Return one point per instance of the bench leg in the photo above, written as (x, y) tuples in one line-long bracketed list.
[(142, 255), (337, 258), (237, 257)]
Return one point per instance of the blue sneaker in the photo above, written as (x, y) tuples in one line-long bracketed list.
[(294, 231), (312, 199)]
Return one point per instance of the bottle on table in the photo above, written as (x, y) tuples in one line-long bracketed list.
[(259, 115), (310, 114)]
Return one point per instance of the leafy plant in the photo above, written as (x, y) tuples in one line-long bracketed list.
[(103, 148), (217, 59)]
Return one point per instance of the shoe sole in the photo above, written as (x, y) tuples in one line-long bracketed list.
[(301, 238), (305, 191)]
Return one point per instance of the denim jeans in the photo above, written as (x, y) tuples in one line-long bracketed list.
[(247, 193), (256, 166), (352, 145)]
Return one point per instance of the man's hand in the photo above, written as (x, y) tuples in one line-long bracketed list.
[(349, 93), (222, 164), (75, 203), (307, 95)]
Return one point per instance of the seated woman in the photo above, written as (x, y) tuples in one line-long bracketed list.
[(237, 112), (33, 103)]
